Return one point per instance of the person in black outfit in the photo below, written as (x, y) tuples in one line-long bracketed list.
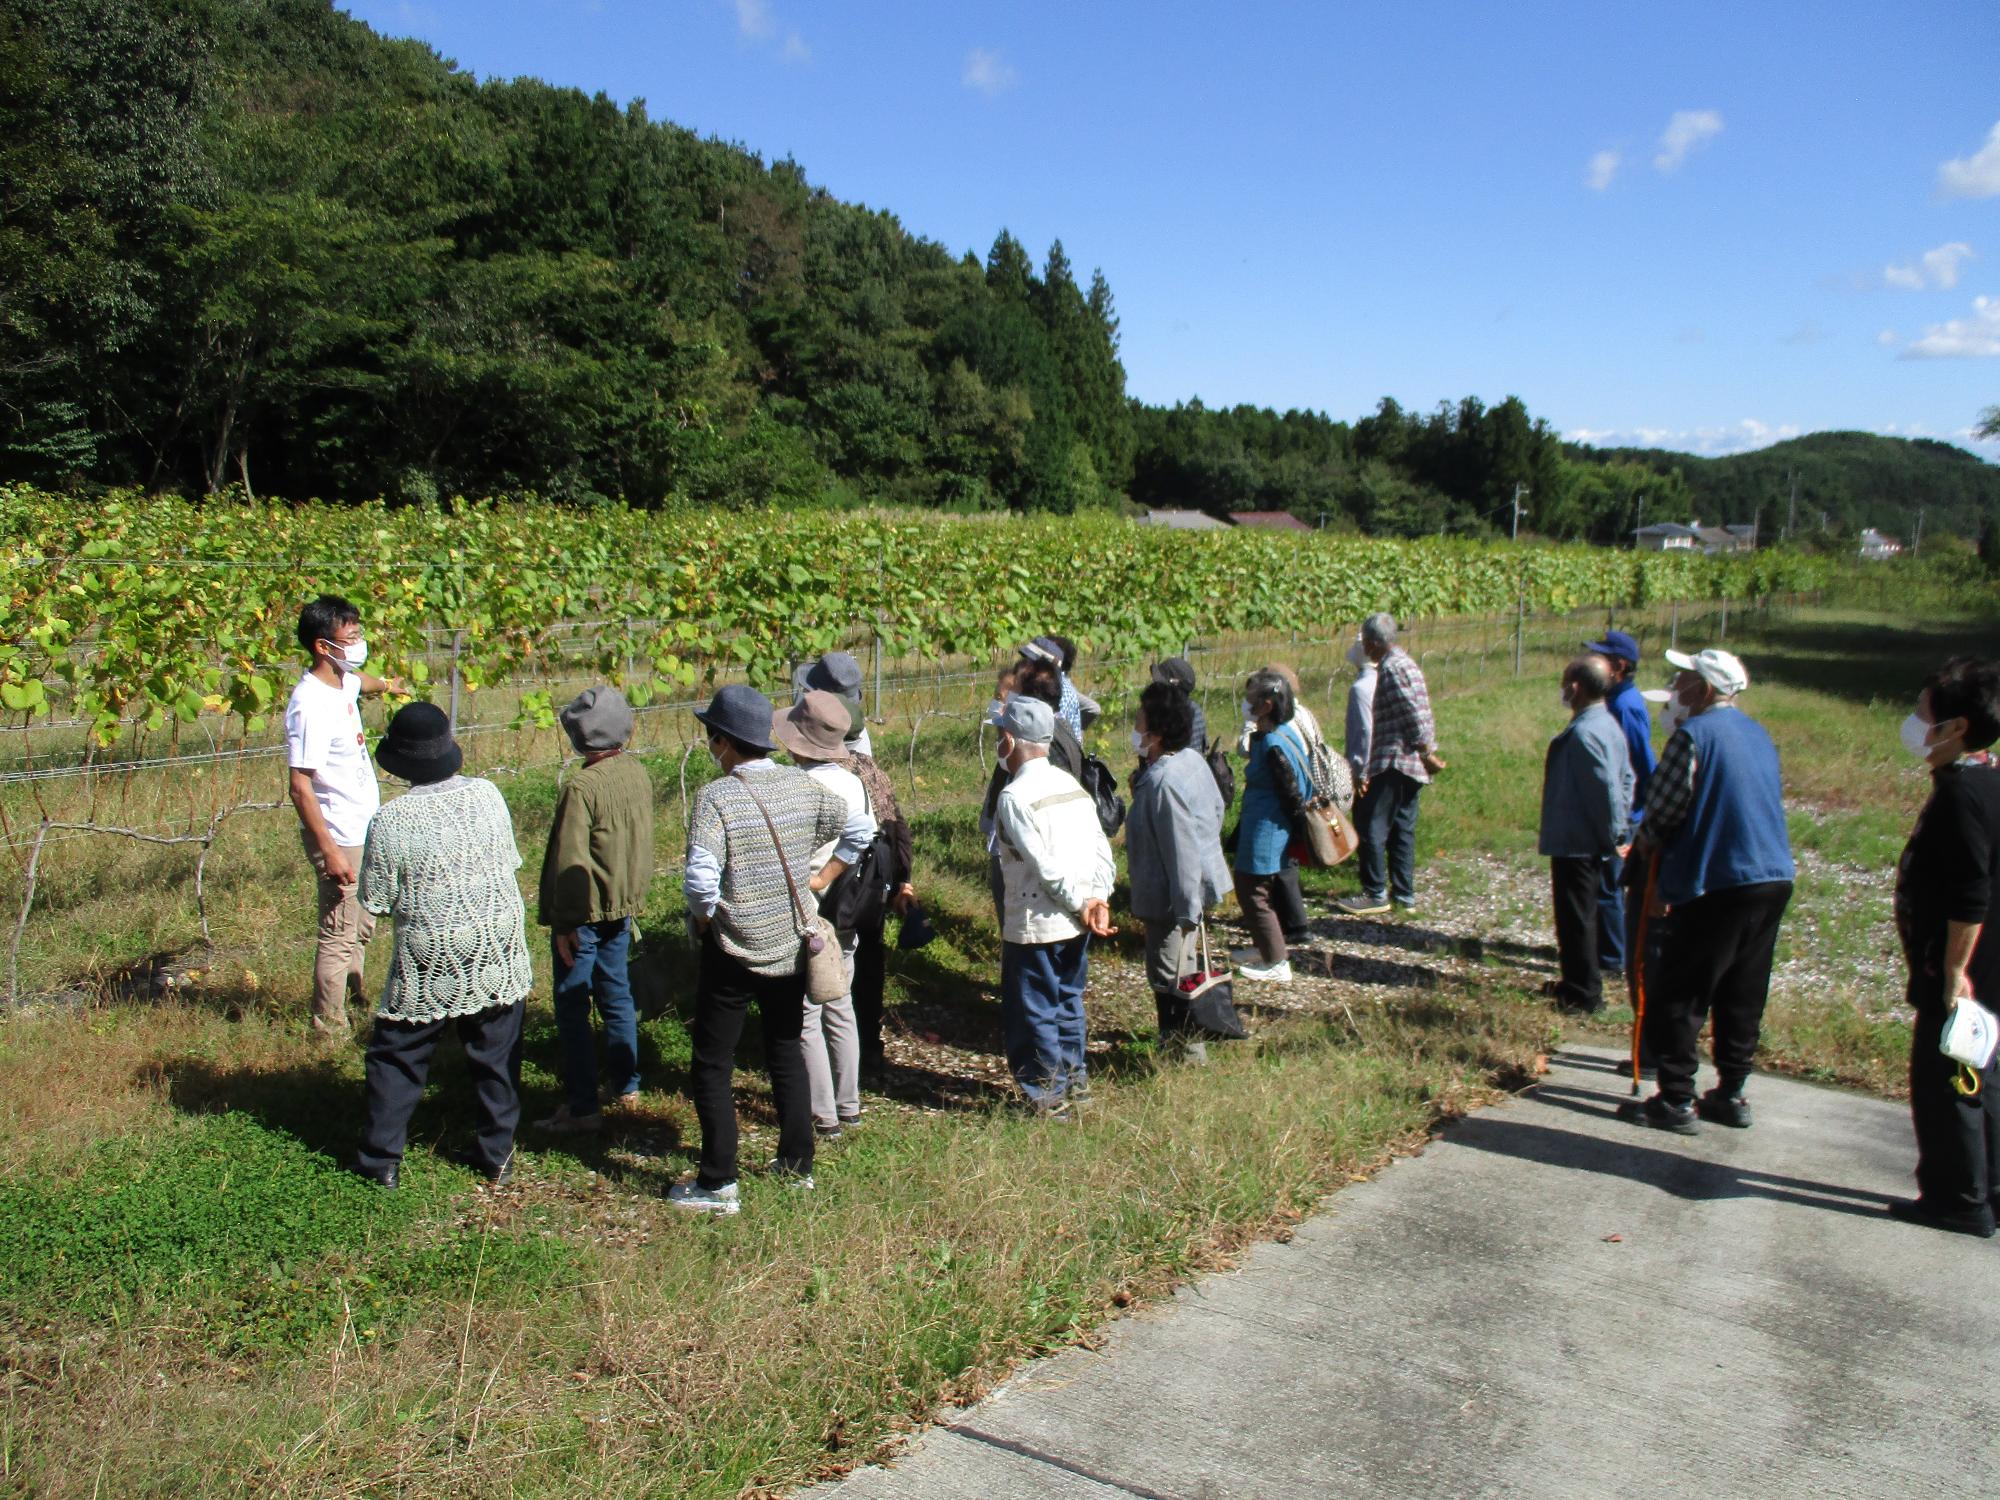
[(1947, 900)]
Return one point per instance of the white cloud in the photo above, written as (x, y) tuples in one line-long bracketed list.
[(1976, 337), (1938, 268), (756, 22), (1974, 176), (988, 72), (1709, 442), (1603, 167), (1886, 338), (1688, 129)]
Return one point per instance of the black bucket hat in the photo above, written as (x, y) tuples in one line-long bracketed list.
[(418, 745), (742, 713)]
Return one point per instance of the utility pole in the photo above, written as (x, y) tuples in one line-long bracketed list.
[(1792, 514), (1917, 545), (1519, 491)]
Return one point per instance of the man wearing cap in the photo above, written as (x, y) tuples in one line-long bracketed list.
[(595, 874), (1049, 648), (1627, 705), (813, 732), (1057, 872), (750, 885), (1586, 806), (1715, 815)]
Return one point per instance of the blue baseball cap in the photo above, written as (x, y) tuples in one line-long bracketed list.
[(1616, 644)]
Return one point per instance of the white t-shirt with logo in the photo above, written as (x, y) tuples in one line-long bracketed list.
[(323, 735)]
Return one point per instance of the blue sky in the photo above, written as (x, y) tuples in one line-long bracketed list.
[(1702, 226)]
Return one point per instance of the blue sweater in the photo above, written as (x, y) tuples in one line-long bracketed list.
[(1264, 828), (1629, 709), (1734, 833)]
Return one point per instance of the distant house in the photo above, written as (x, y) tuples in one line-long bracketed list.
[(1183, 520), (1666, 536), (1876, 547), (1746, 536), (1718, 539), (1267, 520)]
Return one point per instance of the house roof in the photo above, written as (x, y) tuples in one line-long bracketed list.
[(1268, 520), (1870, 537), (1717, 536), (1748, 533), (1667, 528), (1183, 520)]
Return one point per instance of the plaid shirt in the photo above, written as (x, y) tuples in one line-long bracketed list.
[(1669, 795), (1403, 724)]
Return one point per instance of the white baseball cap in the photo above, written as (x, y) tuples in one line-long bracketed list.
[(1719, 669)]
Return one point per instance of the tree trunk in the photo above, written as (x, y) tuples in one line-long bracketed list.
[(243, 468)]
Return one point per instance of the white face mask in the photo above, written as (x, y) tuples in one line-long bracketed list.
[(1249, 712), (1138, 743), (354, 655), (1356, 657), (1916, 736), (1674, 714)]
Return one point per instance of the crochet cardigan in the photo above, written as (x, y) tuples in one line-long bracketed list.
[(441, 861)]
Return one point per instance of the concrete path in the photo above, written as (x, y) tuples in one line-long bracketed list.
[(1547, 1302)]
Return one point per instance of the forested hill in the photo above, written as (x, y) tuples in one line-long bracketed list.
[(250, 242), (1843, 480)]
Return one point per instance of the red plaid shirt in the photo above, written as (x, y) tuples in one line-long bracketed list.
[(1404, 728)]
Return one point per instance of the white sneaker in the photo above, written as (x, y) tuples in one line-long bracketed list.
[(1277, 973), (692, 1196)]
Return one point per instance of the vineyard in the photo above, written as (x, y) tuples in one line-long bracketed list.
[(136, 613)]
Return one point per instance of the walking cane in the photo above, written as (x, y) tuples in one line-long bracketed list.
[(1639, 973)]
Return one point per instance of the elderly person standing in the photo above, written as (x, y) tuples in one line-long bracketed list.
[(1178, 671), (813, 732), (1057, 870), (1715, 816), (1586, 806), (838, 673), (1947, 904), (1173, 848), (1617, 927), (750, 885), (1277, 784), (1402, 758), (1360, 712), (441, 859), (595, 875)]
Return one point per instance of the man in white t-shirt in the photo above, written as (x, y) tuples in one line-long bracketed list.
[(333, 787)]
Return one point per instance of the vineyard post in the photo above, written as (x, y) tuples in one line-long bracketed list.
[(1723, 633), (457, 639), (1675, 639), (21, 924), (1520, 627), (878, 671)]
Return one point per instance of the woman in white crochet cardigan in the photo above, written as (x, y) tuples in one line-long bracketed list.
[(441, 860)]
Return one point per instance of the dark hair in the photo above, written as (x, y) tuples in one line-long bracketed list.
[(1268, 684), (1068, 648), (1040, 679), (1967, 688), (1588, 678), (1168, 714), (321, 618), (746, 751)]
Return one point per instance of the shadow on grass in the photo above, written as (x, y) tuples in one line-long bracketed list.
[(1861, 662)]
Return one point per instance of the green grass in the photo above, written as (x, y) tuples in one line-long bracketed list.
[(197, 1299)]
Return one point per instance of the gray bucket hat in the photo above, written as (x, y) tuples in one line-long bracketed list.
[(741, 712), (598, 718)]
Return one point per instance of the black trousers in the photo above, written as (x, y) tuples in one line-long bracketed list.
[(1958, 1139), (399, 1064), (871, 957), (1575, 885), (722, 999), (1719, 962)]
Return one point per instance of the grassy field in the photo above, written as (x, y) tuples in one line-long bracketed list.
[(197, 1300)]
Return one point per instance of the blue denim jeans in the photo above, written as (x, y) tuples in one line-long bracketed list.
[(599, 971), (1386, 821), (1041, 1015)]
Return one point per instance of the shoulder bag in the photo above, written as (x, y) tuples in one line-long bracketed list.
[(820, 964), (1210, 996)]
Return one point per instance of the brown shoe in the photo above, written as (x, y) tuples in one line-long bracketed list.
[(562, 1122)]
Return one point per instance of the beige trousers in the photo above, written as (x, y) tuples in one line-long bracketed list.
[(344, 931)]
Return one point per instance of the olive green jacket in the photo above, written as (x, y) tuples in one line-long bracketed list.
[(599, 863)]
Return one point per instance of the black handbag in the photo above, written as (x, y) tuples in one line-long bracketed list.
[(1210, 997)]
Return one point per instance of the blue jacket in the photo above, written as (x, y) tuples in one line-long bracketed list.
[(1264, 830), (1629, 708), (1586, 788), (1734, 833)]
